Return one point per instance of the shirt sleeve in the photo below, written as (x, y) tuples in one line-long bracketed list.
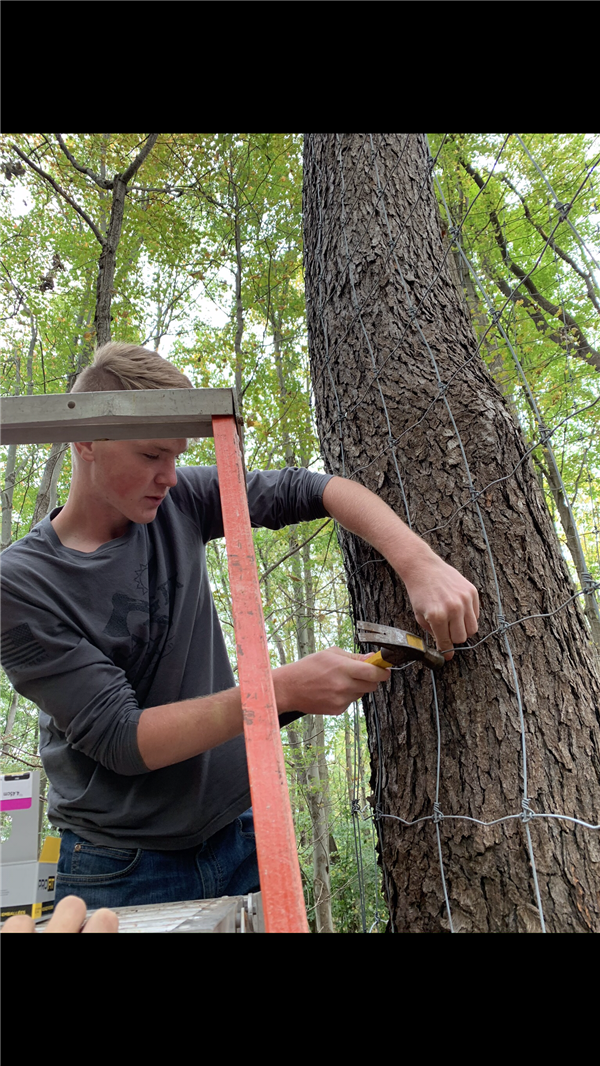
[(276, 498), (88, 701)]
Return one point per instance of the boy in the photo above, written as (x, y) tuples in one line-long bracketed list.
[(110, 628)]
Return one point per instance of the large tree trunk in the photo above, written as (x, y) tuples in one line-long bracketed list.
[(518, 729)]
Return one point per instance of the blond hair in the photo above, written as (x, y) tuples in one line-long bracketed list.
[(128, 366)]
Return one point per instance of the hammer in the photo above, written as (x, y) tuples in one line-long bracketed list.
[(397, 647)]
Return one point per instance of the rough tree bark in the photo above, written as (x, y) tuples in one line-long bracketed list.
[(373, 249)]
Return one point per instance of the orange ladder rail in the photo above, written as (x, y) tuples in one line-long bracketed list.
[(280, 881)]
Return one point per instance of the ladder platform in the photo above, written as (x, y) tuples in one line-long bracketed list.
[(229, 914), (126, 415)]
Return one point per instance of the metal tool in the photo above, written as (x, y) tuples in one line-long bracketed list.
[(397, 647)]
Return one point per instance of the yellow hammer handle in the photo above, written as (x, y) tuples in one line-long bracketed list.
[(377, 659)]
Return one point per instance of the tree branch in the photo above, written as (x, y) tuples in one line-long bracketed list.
[(589, 355), (180, 189), (294, 550), (584, 350), (102, 182), (559, 251), (19, 758), (62, 193), (139, 159), (107, 261), (538, 462)]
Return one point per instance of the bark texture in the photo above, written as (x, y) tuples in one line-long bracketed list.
[(373, 248)]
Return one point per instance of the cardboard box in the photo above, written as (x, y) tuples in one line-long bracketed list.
[(27, 884)]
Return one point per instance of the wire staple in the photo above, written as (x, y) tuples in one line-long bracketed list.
[(563, 210)]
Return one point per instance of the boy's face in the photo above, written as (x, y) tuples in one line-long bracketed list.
[(132, 477)]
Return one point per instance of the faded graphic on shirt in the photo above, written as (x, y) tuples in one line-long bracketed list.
[(147, 646), (21, 649)]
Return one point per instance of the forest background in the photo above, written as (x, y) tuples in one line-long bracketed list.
[(192, 245)]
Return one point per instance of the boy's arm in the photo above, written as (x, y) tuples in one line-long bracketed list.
[(445, 603), (324, 683)]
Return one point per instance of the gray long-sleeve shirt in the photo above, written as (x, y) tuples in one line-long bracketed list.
[(94, 638)]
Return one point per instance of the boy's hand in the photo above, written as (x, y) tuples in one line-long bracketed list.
[(326, 682), (446, 605), (68, 917)]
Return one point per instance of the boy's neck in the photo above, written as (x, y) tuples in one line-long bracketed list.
[(85, 531)]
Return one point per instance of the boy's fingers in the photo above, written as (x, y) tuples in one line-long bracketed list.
[(102, 921), (69, 916), (19, 923)]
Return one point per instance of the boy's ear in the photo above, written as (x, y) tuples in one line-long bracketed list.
[(84, 449)]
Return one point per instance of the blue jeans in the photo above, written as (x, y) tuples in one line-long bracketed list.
[(225, 865)]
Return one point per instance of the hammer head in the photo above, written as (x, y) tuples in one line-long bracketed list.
[(397, 646)]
